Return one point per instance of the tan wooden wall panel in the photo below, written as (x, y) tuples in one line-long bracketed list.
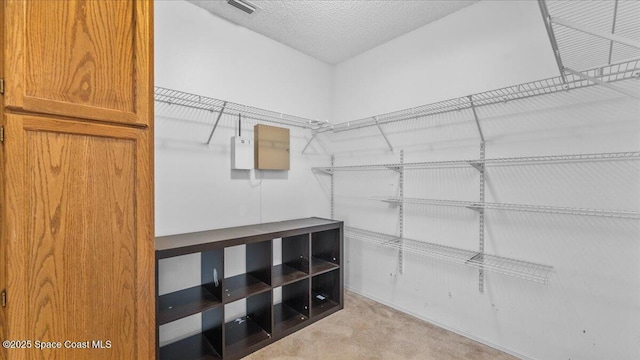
[(272, 147)]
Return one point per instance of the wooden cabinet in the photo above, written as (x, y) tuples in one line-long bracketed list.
[(309, 276), (81, 58), (76, 191), (78, 235)]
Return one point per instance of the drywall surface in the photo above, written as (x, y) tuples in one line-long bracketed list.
[(591, 306), (195, 188), (488, 45), (201, 53)]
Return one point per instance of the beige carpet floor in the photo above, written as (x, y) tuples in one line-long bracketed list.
[(369, 330)]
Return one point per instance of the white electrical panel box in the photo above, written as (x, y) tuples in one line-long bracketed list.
[(241, 153)]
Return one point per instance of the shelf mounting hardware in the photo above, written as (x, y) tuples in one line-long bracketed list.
[(4, 298), (613, 29), (401, 216), (313, 136), (375, 118), (2, 134), (1, 86), (603, 83), (397, 169), (333, 158), (480, 209), (552, 38), (217, 121), (475, 117)]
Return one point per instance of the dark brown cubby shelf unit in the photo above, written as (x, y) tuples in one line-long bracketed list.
[(292, 312), (310, 277), (325, 250), (324, 297)]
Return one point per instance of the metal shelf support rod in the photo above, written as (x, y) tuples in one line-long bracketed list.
[(481, 222), (401, 216), (333, 157), (475, 117), (217, 121), (313, 136), (613, 29), (375, 118), (600, 82)]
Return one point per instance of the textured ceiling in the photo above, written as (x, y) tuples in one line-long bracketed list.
[(334, 31)]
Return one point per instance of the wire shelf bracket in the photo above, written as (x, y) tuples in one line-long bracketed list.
[(375, 118), (216, 123), (313, 136), (613, 30)]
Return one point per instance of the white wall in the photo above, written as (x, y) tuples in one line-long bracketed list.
[(489, 45), (589, 310), (195, 189), (591, 306)]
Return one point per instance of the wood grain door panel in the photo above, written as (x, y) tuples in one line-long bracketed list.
[(3, 248), (82, 58), (79, 231)]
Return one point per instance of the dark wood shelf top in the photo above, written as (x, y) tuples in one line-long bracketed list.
[(321, 306), (242, 286), (180, 244), (284, 274), (319, 266), (241, 336), (195, 347), (285, 317), (179, 304)]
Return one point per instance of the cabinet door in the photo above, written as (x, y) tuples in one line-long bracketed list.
[(79, 236), (80, 58)]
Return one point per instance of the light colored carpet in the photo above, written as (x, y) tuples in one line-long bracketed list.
[(369, 330)]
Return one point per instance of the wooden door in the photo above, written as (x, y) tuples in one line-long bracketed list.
[(80, 238), (3, 248), (80, 58)]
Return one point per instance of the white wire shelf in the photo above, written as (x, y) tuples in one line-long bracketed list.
[(550, 159), (517, 268), (607, 74), (593, 33), (475, 205), (194, 101)]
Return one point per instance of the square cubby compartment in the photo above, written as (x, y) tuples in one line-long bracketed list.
[(325, 251), (293, 309), (325, 292), (295, 260), (246, 333), (208, 295), (204, 345), (256, 264)]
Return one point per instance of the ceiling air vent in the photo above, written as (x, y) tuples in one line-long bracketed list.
[(243, 5)]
